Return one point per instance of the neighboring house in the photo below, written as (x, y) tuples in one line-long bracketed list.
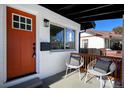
[(100, 39)]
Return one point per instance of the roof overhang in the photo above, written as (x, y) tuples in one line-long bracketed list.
[(86, 14)]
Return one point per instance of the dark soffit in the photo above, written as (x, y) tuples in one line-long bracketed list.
[(87, 13)]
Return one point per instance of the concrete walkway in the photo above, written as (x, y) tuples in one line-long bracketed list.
[(72, 81)]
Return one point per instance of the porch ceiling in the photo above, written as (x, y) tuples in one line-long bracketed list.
[(86, 14)]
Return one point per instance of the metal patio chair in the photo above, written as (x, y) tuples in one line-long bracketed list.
[(75, 62), (91, 71)]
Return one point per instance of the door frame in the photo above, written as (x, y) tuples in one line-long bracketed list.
[(5, 46)]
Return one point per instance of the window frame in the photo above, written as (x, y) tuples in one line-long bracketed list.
[(74, 39), (63, 36), (21, 22), (61, 50), (83, 42)]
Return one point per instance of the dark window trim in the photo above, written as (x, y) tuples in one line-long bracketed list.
[(63, 50)]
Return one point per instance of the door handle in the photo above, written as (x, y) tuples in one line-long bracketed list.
[(34, 50)]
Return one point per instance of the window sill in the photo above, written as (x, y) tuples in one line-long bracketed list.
[(63, 50)]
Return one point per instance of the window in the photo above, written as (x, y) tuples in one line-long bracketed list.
[(22, 19), (70, 39), (56, 37), (107, 43), (16, 21), (15, 24), (21, 22), (16, 18), (61, 38), (85, 43)]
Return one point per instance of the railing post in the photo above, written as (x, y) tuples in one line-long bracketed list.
[(123, 54)]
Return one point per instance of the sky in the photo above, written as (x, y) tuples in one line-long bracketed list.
[(108, 25)]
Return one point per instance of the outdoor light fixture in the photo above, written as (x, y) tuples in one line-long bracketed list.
[(46, 23)]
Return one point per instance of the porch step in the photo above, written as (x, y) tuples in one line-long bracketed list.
[(33, 83)]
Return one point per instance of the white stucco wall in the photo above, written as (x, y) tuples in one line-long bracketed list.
[(2, 44), (93, 41), (48, 63)]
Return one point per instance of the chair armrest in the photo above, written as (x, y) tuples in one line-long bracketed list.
[(92, 63)]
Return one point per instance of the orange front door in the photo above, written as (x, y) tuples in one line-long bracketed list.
[(21, 28)]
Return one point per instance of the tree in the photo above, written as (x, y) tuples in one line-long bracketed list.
[(118, 30)]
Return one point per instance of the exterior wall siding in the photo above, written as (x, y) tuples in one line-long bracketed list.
[(93, 41)]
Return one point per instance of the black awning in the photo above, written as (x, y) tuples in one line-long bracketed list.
[(86, 14)]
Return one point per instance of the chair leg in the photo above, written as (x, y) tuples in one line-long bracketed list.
[(70, 70), (86, 77), (66, 72), (110, 82), (79, 74), (101, 82)]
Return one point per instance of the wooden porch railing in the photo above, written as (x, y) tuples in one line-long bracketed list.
[(117, 75)]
